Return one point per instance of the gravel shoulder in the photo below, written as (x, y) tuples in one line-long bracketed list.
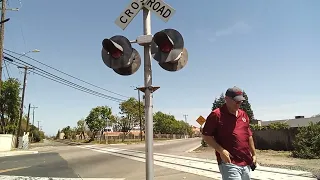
[(280, 159)]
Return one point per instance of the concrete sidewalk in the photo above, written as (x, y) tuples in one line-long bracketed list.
[(17, 153)]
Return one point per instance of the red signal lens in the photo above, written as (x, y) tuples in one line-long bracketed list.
[(166, 46), (116, 53)]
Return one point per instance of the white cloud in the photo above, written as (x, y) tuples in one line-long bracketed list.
[(239, 27)]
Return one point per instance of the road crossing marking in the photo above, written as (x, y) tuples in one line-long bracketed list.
[(202, 167)]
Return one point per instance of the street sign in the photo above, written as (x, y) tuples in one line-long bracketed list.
[(161, 9), (201, 120), (129, 13)]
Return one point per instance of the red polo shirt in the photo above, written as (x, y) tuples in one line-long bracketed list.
[(230, 132)]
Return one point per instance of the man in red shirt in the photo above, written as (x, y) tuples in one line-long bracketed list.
[(227, 130)]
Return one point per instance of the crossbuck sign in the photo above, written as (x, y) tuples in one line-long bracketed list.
[(160, 8)]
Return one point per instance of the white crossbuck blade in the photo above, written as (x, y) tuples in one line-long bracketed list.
[(160, 8)]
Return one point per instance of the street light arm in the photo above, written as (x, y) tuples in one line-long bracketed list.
[(32, 51)]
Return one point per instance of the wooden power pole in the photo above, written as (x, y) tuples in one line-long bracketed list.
[(3, 13), (28, 120), (26, 68)]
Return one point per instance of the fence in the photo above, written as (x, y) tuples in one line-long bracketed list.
[(7, 142), (118, 137), (279, 140)]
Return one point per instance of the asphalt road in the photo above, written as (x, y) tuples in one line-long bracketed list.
[(119, 162), (59, 160)]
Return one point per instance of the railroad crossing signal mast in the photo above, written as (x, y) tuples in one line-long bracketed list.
[(166, 47)]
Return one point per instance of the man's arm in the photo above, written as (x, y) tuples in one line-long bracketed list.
[(213, 143), (251, 146), (209, 130)]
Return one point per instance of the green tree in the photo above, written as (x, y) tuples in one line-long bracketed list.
[(247, 107), (81, 127), (96, 120), (317, 115), (58, 134), (67, 132), (124, 125), (35, 134), (218, 102), (167, 124), (130, 111), (9, 105), (164, 123)]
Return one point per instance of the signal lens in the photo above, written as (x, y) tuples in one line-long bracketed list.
[(116, 53), (166, 46)]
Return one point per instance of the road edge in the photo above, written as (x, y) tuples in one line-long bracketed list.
[(194, 148)]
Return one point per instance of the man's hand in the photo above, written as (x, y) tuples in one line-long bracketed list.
[(225, 156), (254, 160)]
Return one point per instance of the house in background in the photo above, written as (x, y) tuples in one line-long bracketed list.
[(195, 130), (298, 121)]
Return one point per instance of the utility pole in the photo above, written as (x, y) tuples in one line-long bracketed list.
[(166, 47), (38, 125), (26, 68), (33, 107), (139, 112), (28, 120), (3, 13), (185, 119)]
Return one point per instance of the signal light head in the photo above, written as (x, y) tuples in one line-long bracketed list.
[(168, 49), (116, 52), (166, 46)]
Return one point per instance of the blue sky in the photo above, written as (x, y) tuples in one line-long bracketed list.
[(267, 48)]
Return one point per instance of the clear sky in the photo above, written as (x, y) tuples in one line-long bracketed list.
[(268, 48)]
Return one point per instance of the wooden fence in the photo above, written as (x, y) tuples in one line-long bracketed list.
[(279, 140)]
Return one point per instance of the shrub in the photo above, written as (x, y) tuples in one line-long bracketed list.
[(203, 143), (307, 142)]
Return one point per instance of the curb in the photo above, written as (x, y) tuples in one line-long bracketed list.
[(192, 149), (17, 153)]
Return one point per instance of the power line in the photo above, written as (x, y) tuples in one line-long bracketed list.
[(6, 65), (95, 94), (77, 88), (60, 80), (67, 74)]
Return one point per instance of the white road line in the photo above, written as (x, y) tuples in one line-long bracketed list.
[(140, 157), (202, 167), (52, 178)]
